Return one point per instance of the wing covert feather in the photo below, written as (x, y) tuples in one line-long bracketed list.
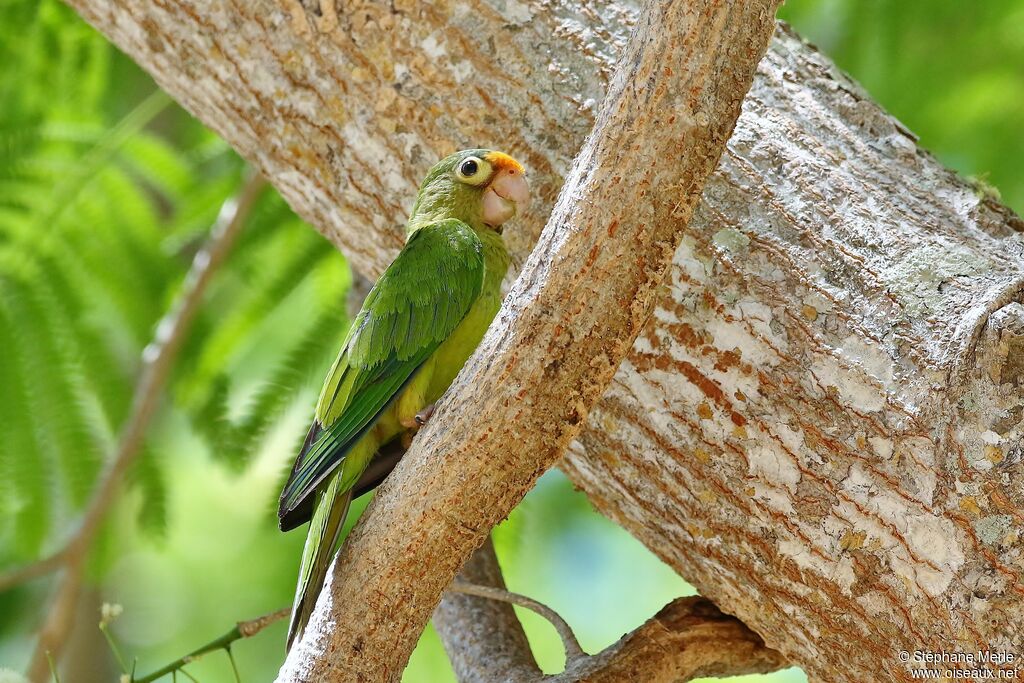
[(415, 305)]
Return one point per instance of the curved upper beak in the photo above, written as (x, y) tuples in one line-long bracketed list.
[(507, 195)]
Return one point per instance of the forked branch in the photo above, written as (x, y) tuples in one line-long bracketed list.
[(688, 638)]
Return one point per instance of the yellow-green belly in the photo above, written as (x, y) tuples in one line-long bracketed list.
[(430, 381), (437, 373)]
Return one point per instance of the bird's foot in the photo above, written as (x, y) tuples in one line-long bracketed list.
[(419, 419), (424, 415)]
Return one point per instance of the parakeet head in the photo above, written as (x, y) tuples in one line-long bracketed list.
[(481, 187)]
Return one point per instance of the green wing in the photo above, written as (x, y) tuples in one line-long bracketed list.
[(411, 310)]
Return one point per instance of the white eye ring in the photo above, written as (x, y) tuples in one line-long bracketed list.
[(470, 168)]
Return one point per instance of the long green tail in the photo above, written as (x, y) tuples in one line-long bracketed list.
[(324, 529)]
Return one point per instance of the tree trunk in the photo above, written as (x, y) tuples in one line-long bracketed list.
[(821, 425), (820, 428)]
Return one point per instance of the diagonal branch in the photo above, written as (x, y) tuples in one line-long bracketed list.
[(158, 359), (570, 319)]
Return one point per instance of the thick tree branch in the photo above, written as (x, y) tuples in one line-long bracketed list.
[(570, 318), (157, 360)]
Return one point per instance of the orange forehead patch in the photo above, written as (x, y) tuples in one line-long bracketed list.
[(502, 161)]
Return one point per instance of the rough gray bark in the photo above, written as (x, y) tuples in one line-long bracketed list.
[(483, 638), (823, 417), (821, 426)]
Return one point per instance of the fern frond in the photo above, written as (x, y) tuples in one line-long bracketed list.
[(148, 477), (162, 167), (296, 254), (27, 451), (311, 353), (100, 216)]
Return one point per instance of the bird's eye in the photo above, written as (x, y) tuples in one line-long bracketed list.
[(473, 171)]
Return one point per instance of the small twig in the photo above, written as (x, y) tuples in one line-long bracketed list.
[(158, 358), (53, 668), (20, 575), (243, 629), (250, 628), (484, 638), (573, 651), (114, 648), (234, 666)]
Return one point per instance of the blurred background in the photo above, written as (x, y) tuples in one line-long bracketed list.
[(107, 190)]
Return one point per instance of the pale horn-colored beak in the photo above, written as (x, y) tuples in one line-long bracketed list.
[(506, 196)]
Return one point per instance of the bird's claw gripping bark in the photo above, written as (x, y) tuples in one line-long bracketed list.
[(419, 419), (424, 415), (413, 425)]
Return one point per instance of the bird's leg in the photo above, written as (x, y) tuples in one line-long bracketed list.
[(413, 425), (424, 415), (419, 419)]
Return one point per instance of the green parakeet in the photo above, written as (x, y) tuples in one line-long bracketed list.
[(417, 327)]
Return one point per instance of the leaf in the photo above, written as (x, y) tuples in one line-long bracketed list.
[(147, 476), (312, 352)]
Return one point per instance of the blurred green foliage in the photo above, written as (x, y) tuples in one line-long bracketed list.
[(107, 190)]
